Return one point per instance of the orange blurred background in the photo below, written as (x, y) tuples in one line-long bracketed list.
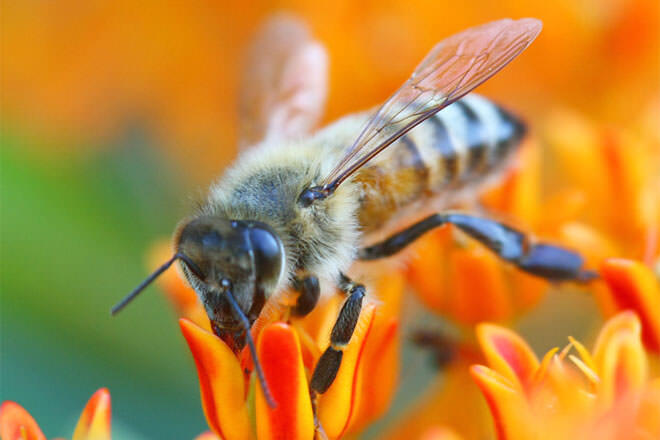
[(82, 201), (79, 70)]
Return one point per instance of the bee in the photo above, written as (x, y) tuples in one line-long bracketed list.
[(296, 208)]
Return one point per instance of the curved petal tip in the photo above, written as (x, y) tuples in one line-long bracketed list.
[(94, 422), (17, 423), (221, 382)]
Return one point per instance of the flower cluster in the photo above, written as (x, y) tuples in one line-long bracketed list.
[(94, 423), (602, 394), (233, 402)]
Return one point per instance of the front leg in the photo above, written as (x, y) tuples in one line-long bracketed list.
[(551, 262), (328, 364), (309, 291)]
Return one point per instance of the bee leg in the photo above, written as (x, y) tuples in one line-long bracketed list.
[(310, 291), (543, 260), (328, 364), (319, 432)]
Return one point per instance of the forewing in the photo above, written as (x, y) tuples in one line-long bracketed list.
[(284, 83), (453, 68)]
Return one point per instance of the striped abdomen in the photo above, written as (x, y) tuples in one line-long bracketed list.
[(461, 145)]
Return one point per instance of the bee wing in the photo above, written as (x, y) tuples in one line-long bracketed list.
[(453, 68), (284, 83)]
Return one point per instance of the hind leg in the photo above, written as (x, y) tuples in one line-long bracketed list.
[(544, 260)]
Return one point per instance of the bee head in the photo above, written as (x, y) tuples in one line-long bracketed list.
[(233, 266), (247, 254)]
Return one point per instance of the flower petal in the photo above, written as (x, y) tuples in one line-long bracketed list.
[(477, 270), (508, 354), (507, 406), (281, 358), (525, 290), (338, 406), (94, 422), (624, 322), (561, 208), (17, 424), (628, 169), (577, 143), (380, 368), (426, 269), (221, 382), (620, 358), (647, 417), (380, 373), (310, 350), (518, 194), (633, 286)]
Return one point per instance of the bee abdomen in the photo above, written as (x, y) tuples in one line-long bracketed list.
[(470, 138), (461, 145)]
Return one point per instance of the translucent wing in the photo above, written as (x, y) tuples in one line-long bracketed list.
[(284, 83), (454, 67)]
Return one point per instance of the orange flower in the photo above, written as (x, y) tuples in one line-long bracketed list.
[(94, 423), (632, 285), (288, 353), (603, 394)]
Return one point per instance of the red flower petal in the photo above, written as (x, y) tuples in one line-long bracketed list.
[(17, 424), (633, 286), (221, 382), (94, 422), (508, 354), (281, 358)]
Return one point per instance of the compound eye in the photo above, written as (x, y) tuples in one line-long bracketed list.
[(213, 240), (267, 252)]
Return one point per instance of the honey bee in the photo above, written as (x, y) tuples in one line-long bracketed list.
[(296, 208)]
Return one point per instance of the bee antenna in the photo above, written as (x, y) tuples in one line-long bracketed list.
[(226, 284), (131, 296)]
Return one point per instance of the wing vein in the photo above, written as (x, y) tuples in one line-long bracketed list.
[(453, 68)]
